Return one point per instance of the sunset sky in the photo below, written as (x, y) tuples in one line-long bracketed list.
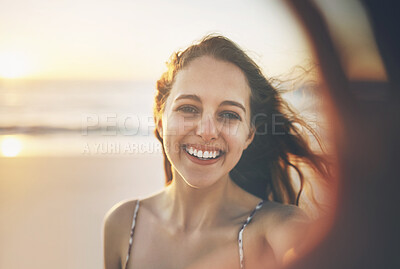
[(88, 39), (133, 39)]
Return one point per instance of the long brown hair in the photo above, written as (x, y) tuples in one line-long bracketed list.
[(264, 168)]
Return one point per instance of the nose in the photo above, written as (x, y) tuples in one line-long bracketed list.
[(207, 128)]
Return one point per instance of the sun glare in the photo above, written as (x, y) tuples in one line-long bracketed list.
[(13, 65), (10, 146)]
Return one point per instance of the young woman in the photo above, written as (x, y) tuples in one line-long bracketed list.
[(229, 142)]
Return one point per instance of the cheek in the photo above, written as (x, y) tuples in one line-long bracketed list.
[(235, 137), (235, 132), (230, 130), (178, 125), (172, 150), (175, 129)]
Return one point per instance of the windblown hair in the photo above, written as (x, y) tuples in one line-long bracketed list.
[(278, 145)]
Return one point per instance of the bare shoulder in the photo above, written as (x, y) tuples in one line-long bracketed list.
[(277, 214), (285, 229), (119, 212), (117, 224)]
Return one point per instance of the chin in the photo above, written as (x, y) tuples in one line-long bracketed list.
[(201, 181)]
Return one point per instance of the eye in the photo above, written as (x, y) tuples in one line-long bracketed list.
[(229, 115), (188, 109)]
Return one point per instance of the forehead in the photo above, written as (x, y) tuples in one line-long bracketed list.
[(213, 80)]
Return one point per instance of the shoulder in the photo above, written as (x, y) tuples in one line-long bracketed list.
[(277, 213), (285, 228), (119, 211), (117, 223)]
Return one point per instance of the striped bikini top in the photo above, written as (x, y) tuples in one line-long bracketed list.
[(240, 236)]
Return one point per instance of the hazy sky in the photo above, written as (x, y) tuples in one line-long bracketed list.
[(132, 39)]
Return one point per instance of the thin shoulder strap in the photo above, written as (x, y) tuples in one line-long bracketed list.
[(132, 230), (240, 238)]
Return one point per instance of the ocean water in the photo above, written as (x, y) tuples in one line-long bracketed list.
[(107, 118), (51, 106), (53, 117)]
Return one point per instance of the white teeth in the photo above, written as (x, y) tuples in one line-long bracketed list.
[(201, 154)]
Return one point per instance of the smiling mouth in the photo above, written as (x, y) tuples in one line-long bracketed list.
[(203, 154)]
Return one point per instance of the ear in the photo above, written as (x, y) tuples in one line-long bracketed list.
[(250, 137)]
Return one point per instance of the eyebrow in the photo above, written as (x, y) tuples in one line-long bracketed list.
[(196, 98)]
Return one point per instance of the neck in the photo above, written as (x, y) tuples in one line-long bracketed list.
[(192, 209)]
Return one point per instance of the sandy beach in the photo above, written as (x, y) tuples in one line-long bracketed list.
[(52, 208)]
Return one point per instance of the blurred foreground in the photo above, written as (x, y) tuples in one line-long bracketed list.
[(52, 208)]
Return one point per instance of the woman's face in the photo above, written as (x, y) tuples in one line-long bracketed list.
[(206, 122)]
